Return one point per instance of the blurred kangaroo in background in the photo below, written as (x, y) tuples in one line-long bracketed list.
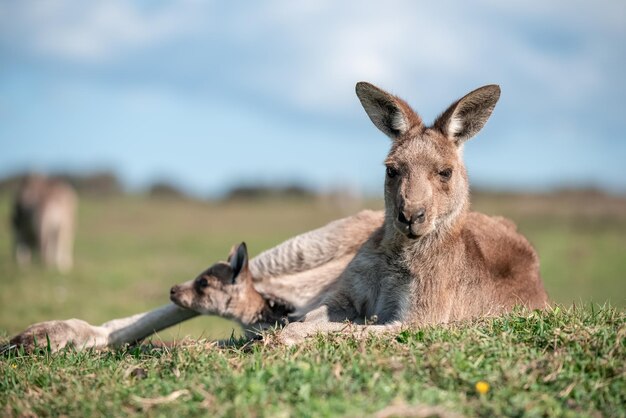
[(426, 260), (43, 221)]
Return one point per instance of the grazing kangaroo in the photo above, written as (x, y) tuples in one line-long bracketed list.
[(426, 260), (43, 222), (432, 261)]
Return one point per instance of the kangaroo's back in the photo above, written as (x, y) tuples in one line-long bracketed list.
[(510, 262)]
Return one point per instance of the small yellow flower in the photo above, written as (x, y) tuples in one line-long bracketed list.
[(14, 366), (482, 387)]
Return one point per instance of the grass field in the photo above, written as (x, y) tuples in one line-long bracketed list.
[(562, 363), (130, 250)]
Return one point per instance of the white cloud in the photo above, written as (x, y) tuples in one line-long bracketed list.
[(428, 49), (96, 30), (308, 55)]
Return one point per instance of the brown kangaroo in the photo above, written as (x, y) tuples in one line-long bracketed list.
[(43, 222), (432, 261)]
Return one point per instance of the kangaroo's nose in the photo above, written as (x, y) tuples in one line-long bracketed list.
[(419, 216), (173, 290)]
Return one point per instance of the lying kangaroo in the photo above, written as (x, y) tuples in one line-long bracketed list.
[(430, 261), (43, 222), (227, 289)]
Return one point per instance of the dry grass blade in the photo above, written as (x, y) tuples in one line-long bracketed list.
[(148, 402), (416, 411)]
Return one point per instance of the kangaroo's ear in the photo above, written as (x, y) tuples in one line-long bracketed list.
[(238, 260), (392, 115), (467, 116)]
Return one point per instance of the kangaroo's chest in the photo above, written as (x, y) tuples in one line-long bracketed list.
[(397, 292), (392, 303), (387, 295)]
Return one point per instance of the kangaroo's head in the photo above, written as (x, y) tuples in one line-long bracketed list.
[(223, 289), (426, 183)]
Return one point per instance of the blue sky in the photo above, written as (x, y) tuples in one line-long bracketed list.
[(211, 94)]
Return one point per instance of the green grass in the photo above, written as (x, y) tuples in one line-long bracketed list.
[(559, 363), (130, 250)]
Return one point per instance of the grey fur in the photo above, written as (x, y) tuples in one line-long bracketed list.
[(311, 249)]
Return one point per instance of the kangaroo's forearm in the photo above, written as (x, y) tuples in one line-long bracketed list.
[(139, 326)]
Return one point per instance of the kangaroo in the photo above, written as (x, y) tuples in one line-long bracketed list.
[(227, 289), (432, 260), (43, 222), (270, 287)]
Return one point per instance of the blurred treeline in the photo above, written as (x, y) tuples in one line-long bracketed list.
[(107, 184), (103, 183)]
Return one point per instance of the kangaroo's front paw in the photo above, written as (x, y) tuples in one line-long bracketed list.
[(59, 334)]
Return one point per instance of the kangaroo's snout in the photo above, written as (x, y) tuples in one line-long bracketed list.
[(408, 218), (411, 221), (175, 293), (180, 296)]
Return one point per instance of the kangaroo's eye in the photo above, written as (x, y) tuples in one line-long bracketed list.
[(391, 172), (202, 283), (445, 174)]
